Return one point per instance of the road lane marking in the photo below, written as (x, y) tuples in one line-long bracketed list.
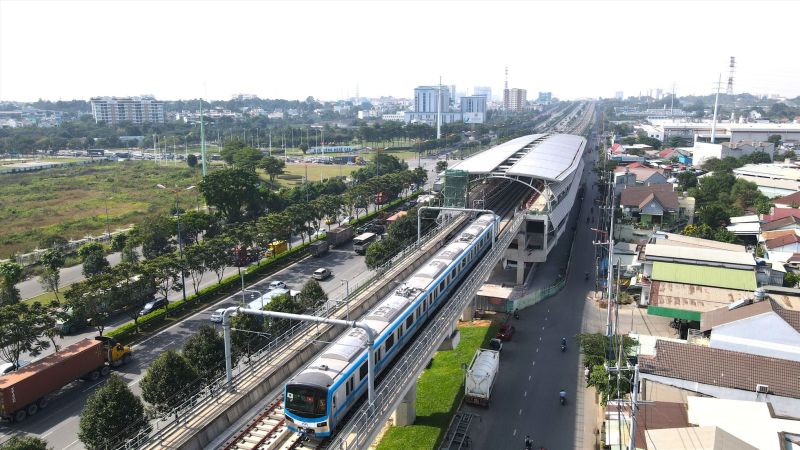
[(537, 349), (525, 394), (529, 378), (533, 363), (540, 339), (520, 412), (514, 433), (543, 327)]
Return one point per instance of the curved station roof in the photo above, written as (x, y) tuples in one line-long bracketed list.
[(551, 157)]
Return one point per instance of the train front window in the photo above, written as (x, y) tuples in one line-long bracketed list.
[(305, 401)]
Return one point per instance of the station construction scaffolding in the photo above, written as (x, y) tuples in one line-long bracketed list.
[(456, 185)]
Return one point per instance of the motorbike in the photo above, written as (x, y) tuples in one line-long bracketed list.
[(563, 347), (516, 314), (563, 400)]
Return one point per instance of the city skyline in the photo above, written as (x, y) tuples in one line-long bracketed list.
[(331, 50)]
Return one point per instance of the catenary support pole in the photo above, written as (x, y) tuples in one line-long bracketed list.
[(226, 327)]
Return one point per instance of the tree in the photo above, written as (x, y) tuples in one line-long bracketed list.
[(21, 329), (165, 271), (205, 351), (247, 158), (441, 166), (303, 147), (791, 279), (191, 160), (194, 259), (129, 253), (10, 275), (91, 300), (282, 303), (193, 225), (52, 261), (312, 295), (93, 258), (112, 414), (594, 348), (155, 236), (169, 380), (229, 149), (25, 443), (248, 334), (774, 139), (714, 215), (118, 241), (272, 166), (230, 190), (687, 180), (131, 290), (219, 256)]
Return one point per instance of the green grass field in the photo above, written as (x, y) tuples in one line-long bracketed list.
[(439, 392), (294, 173), (71, 202)]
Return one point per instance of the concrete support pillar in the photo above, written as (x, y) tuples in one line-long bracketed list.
[(452, 339), (469, 310), (521, 250), (406, 411)]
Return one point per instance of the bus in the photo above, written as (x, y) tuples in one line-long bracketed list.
[(362, 241)]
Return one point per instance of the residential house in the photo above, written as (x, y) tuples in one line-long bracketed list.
[(664, 238), (749, 225), (773, 180), (653, 205), (788, 201), (668, 153), (788, 243), (757, 326), (701, 152), (725, 374)]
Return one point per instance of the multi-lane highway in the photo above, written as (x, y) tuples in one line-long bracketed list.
[(59, 423)]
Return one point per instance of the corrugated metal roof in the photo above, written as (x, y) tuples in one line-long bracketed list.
[(553, 159), (699, 254), (486, 161), (704, 275)]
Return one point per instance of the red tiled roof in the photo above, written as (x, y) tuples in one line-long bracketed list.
[(634, 165), (723, 368), (780, 213), (779, 223), (639, 196), (666, 152), (789, 199), (782, 240)]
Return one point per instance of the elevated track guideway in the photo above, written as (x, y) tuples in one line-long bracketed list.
[(292, 351)]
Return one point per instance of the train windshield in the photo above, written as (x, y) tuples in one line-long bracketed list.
[(305, 401)]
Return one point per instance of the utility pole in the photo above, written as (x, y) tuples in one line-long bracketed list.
[(439, 110), (203, 141), (716, 105)]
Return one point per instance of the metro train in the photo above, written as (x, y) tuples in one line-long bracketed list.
[(317, 398)]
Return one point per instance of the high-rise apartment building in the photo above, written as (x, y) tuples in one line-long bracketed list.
[(473, 109), (515, 99), (485, 91), (425, 99), (138, 110), (545, 98)]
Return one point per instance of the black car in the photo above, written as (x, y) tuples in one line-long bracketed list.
[(154, 305)]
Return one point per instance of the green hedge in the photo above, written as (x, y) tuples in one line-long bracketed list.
[(157, 319), (229, 285)]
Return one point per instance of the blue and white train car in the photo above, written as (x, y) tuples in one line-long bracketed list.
[(317, 398)]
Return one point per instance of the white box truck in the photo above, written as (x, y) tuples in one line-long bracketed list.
[(480, 377)]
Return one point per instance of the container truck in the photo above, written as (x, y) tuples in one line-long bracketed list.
[(480, 377), (318, 248), (340, 235), (26, 391)]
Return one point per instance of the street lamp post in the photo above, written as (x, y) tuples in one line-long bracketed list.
[(177, 191)]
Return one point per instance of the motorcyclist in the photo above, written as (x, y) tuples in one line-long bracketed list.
[(562, 396), (585, 275), (528, 442), (564, 341)]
